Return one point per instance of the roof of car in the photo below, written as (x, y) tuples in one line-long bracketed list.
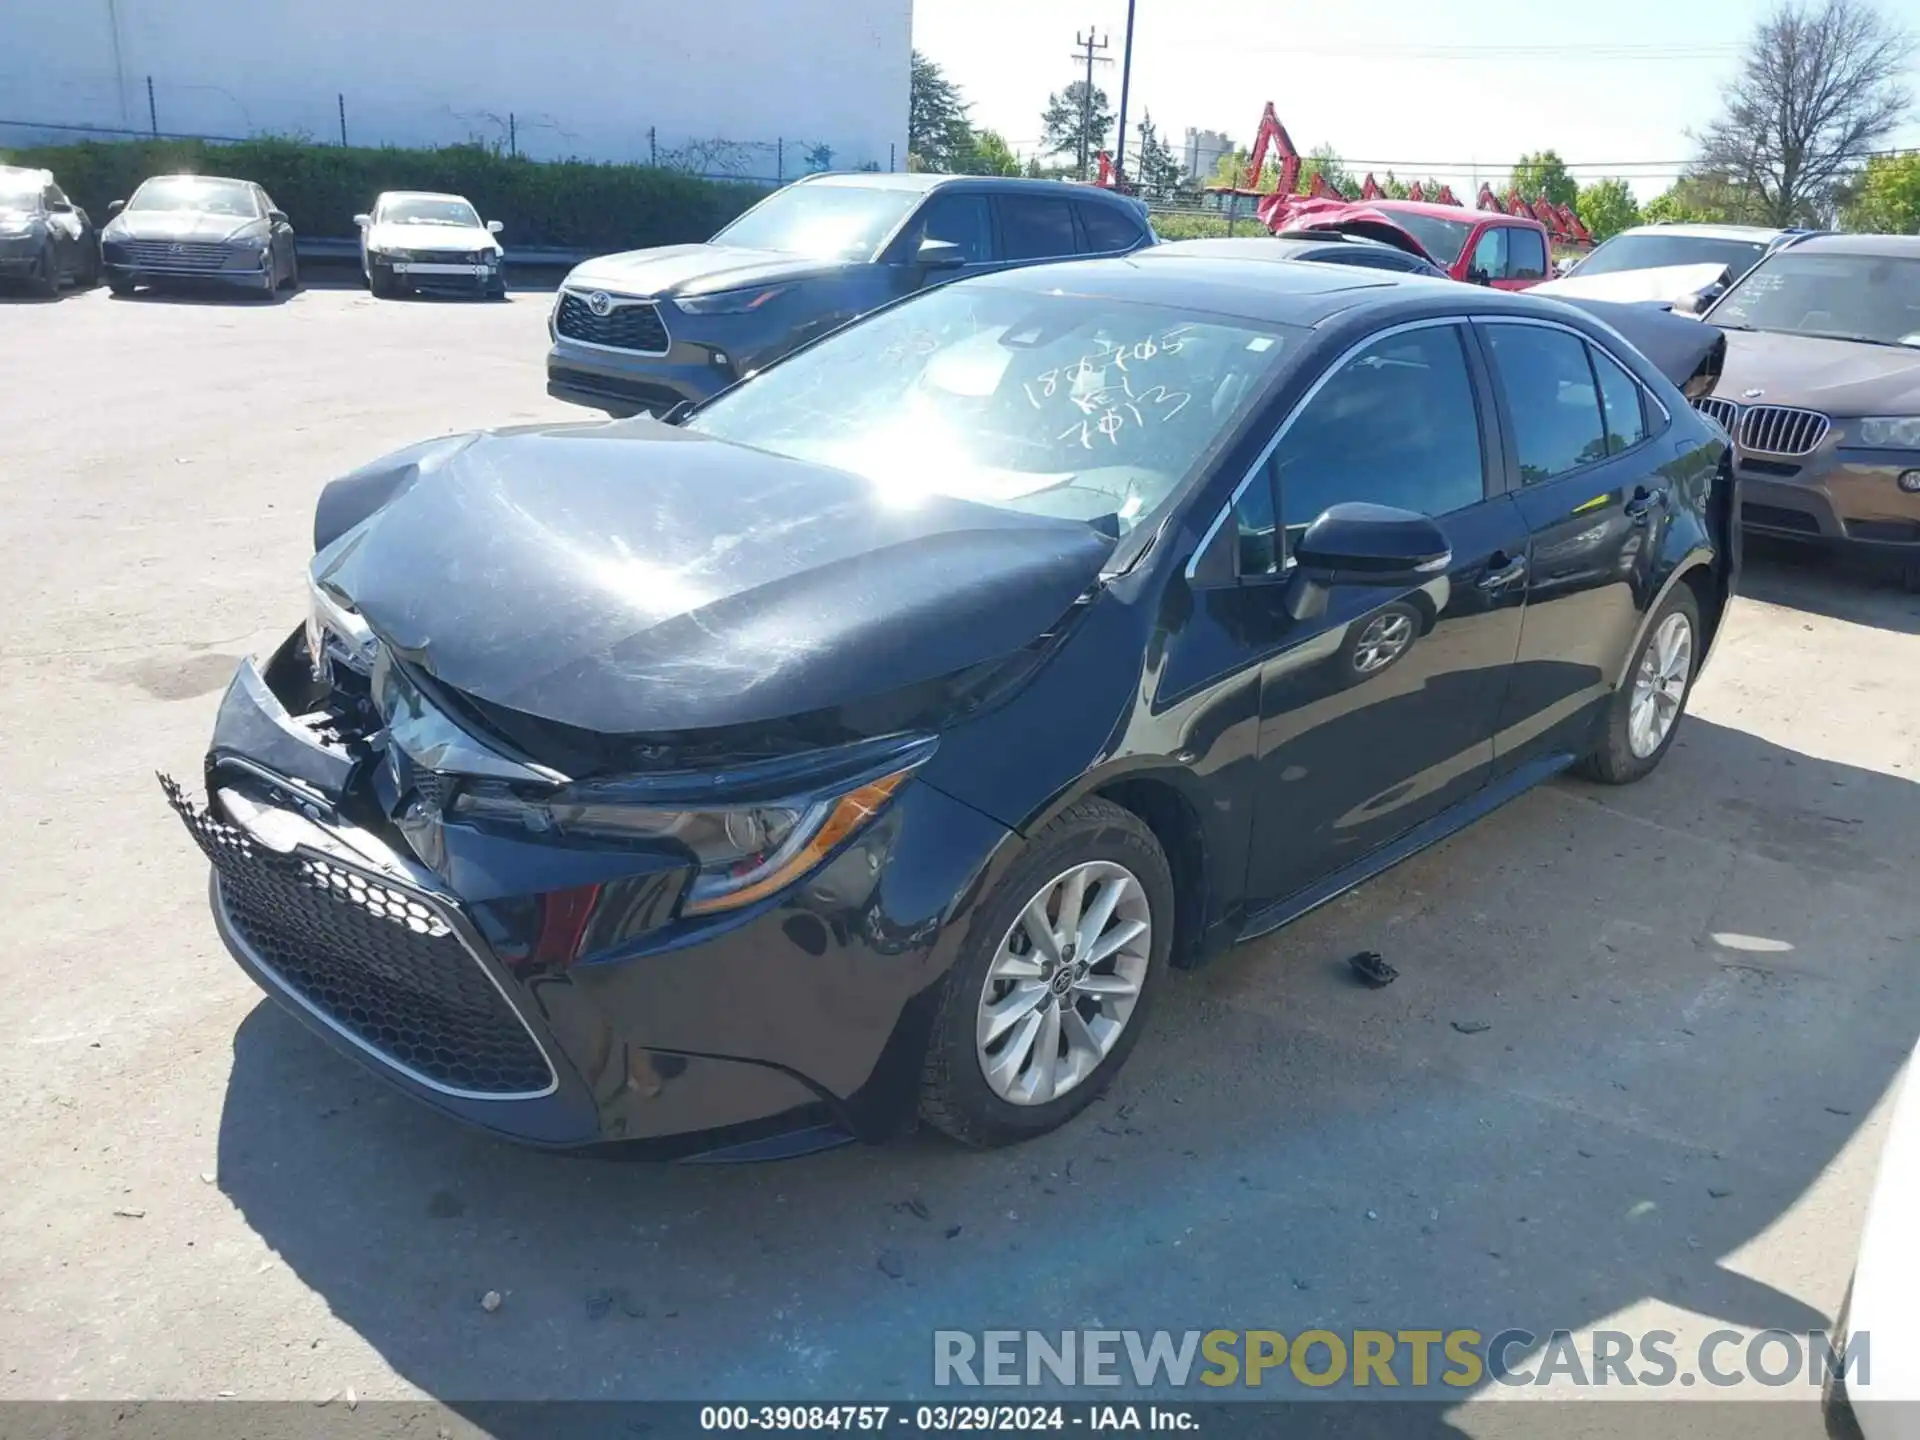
[(1437, 211), (1272, 248), (43, 175), (207, 179), (921, 181), (1274, 291), (1760, 234), (420, 195), (1893, 247)]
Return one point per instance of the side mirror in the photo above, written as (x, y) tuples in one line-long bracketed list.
[(1479, 277), (1690, 304), (363, 221), (114, 207), (939, 255), (278, 217), (495, 227), (1361, 544), (675, 413)]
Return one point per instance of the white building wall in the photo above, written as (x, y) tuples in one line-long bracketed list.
[(597, 79)]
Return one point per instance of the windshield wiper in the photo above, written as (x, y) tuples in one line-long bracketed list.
[(1856, 339)]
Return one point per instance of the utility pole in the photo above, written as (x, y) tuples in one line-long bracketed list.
[(1126, 79), (1088, 45)]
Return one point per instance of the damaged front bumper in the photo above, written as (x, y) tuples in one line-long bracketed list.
[(550, 991)]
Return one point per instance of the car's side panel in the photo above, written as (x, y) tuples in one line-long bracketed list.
[(1606, 541)]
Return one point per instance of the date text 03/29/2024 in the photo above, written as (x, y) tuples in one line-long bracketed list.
[(975, 1419)]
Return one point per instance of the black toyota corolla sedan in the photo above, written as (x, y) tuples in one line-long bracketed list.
[(866, 745)]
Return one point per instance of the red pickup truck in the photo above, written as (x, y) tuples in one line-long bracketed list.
[(1484, 247)]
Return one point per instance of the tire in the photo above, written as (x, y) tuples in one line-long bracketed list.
[(119, 284), (379, 286), (1910, 576), (1106, 846), (293, 275), (1615, 760)]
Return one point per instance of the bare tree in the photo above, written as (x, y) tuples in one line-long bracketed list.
[(1819, 85)]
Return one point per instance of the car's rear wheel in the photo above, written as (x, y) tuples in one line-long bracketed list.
[(1053, 987), (1644, 714)]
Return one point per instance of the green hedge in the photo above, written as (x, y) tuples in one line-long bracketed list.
[(569, 203), (1203, 227)]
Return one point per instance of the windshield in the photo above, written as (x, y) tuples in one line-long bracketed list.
[(20, 192), (1874, 298), (185, 192), (1055, 404), (1656, 252), (1442, 239), (827, 222), (422, 210)]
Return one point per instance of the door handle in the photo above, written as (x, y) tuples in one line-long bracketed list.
[(1505, 575), (1644, 503)]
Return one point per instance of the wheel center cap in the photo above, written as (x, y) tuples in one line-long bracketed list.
[(1063, 979)]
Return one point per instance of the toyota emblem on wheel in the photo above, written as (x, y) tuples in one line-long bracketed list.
[(600, 303)]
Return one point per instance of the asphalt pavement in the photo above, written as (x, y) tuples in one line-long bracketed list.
[(1633, 1073)]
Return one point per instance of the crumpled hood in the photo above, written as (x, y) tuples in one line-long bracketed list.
[(634, 577), (1662, 285), (694, 270), (180, 225), (459, 239), (1839, 377)]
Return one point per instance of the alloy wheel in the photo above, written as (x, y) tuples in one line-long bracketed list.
[(1660, 685), (1064, 983)]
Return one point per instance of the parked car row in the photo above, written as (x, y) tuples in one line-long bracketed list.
[(214, 230)]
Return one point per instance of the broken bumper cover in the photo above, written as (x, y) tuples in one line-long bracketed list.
[(548, 994)]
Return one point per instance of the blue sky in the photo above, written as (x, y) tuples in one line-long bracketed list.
[(1613, 87)]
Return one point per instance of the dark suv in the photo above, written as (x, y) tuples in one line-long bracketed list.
[(646, 329)]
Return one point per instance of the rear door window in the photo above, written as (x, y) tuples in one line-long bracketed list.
[(1034, 227), (1623, 402), (1552, 399), (1108, 228)]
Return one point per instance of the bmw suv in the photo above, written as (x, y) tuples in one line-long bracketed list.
[(645, 330)]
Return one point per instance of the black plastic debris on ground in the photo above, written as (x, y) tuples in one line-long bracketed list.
[(1372, 968)]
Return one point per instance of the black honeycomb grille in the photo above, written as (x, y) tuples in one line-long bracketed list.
[(375, 960), (630, 325)]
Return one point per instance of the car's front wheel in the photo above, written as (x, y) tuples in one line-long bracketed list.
[(1053, 987), (1644, 714)]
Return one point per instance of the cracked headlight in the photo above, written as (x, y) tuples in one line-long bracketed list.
[(1891, 432), (743, 853), (334, 629)]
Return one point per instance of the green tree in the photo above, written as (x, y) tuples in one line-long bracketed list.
[(1821, 82), (1705, 199), (1395, 188), (990, 155), (1155, 167), (939, 134), (1607, 207), (1231, 169), (1887, 198), (1076, 121), (1322, 161), (1544, 170)]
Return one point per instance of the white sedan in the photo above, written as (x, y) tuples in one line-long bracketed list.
[(417, 241)]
